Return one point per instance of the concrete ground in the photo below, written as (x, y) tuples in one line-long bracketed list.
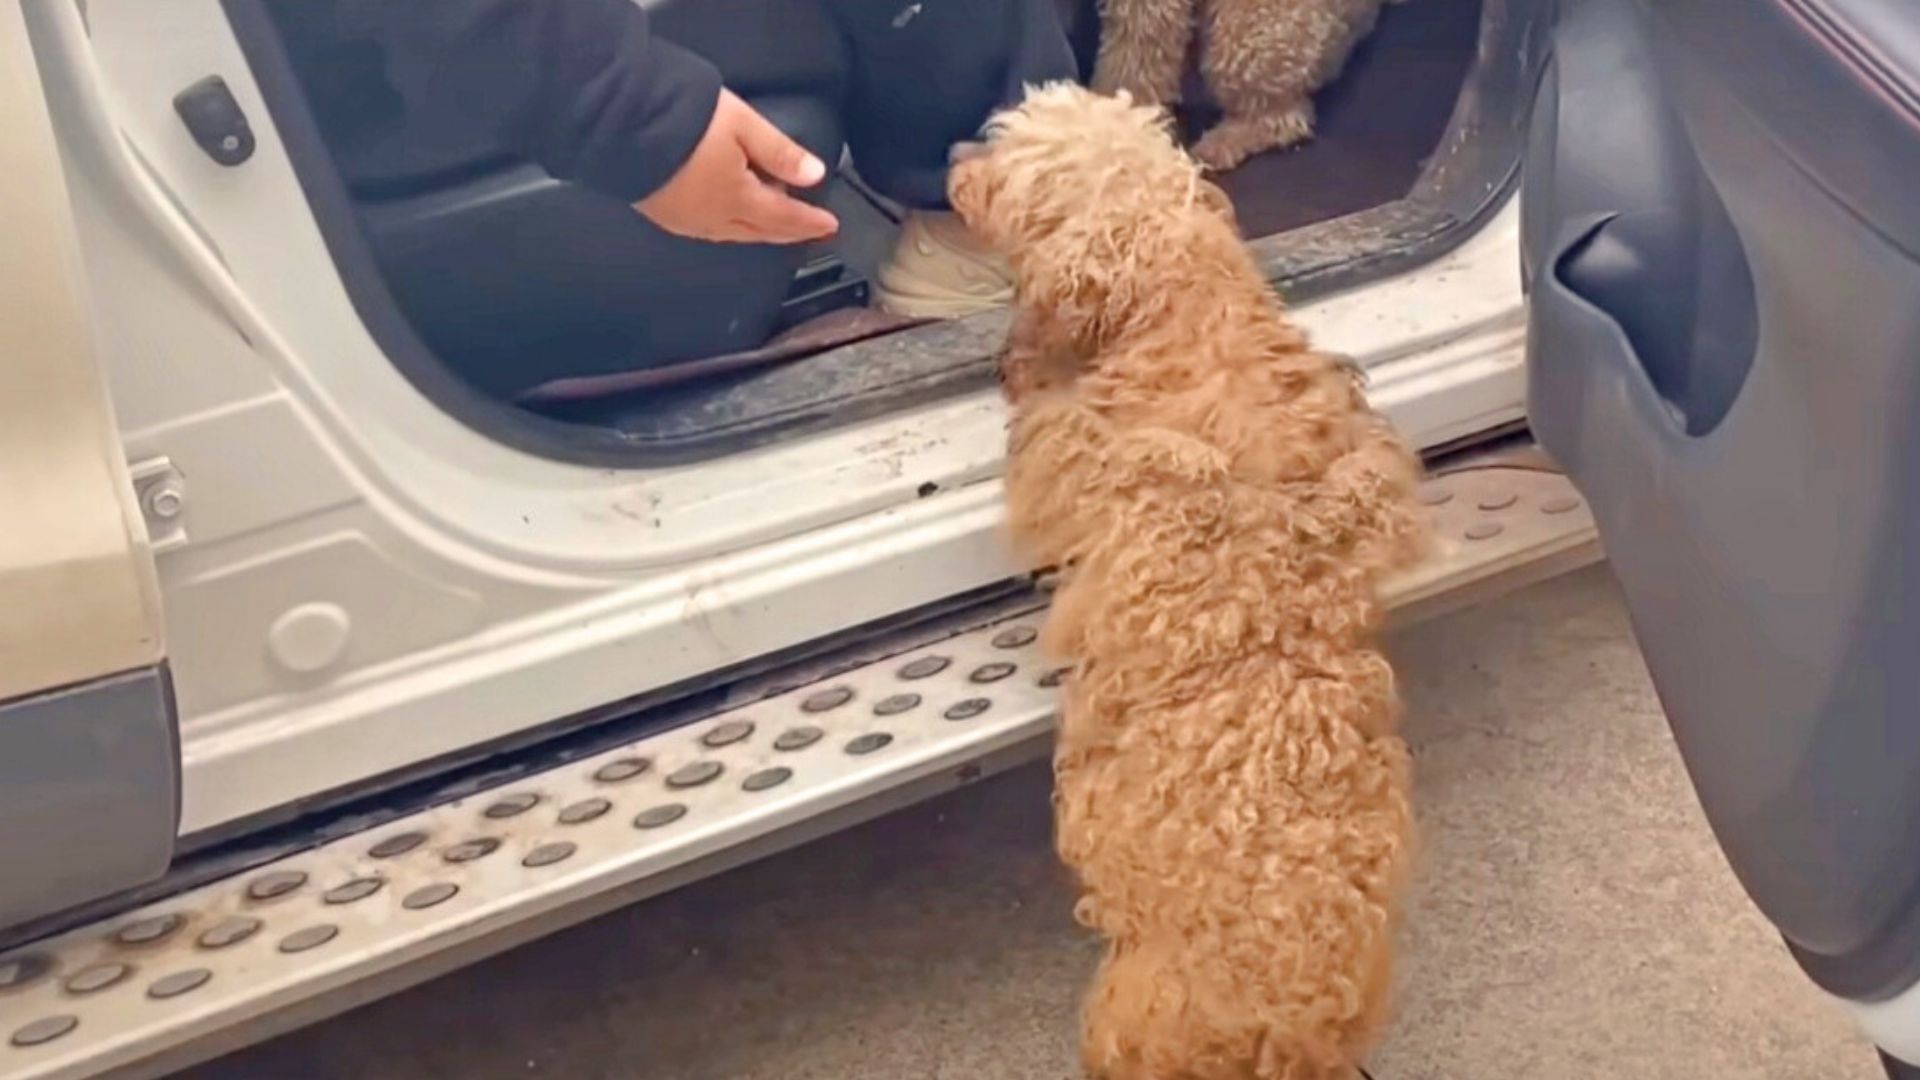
[(1574, 922)]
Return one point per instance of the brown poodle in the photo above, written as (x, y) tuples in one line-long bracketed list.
[(1230, 792), (1262, 60)]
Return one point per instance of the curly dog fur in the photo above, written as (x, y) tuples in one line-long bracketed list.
[(1231, 791), (1262, 60)]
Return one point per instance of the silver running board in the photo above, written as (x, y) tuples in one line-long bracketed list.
[(336, 926)]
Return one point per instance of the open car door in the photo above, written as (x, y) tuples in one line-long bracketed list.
[(1723, 254), (89, 759)]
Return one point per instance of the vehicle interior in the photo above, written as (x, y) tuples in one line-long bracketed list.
[(462, 258)]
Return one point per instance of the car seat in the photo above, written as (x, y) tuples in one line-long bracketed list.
[(514, 278)]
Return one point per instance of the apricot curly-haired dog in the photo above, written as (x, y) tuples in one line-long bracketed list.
[(1262, 61), (1230, 789)]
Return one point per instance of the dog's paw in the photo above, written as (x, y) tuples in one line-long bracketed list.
[(1232, 141), (1220, 153)]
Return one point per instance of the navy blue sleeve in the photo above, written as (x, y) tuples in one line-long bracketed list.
[(583, 87)]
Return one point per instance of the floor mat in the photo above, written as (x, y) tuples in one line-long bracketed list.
[(1377, 124), (843, 326)]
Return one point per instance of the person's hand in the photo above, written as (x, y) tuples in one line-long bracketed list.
[(732, 188)]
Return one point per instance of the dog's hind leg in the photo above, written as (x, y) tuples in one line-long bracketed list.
[(1263, 59), (1258, 57), (1143, 48)]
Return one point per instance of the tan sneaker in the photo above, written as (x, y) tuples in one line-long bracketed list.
[(939, 271)]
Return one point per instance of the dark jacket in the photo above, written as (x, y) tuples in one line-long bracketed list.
[(582, 87)]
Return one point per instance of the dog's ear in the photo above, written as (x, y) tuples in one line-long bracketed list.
[(1215, 198), (1066, 286), (970, 192), (1040, 355)]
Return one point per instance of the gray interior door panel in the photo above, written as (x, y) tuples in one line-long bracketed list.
[(1723, 256)]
